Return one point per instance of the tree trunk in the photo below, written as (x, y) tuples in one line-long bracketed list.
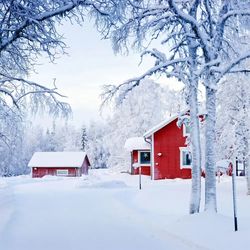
[(210, 182), (247, 168), (196, 152), (246, 147)]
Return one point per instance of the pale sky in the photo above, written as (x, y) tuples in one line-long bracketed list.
[(90, 63)]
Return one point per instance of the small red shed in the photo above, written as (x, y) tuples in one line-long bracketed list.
[(140, 155), (170, 157), (59, 164)]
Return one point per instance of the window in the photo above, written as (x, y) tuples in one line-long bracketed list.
[(62, 172), (144, 157), (186, 129), (185, 158)]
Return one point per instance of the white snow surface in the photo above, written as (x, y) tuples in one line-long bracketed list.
[(136, 143), (106, 210), (57, 159)]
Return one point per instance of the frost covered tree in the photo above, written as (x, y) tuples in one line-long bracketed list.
[(175, 58), (83, 138), (50, 142), (135, 113), (97, 145), (69, 137), (233, 134), (202, 43), (11, 145), (27, 30), (61, 137)]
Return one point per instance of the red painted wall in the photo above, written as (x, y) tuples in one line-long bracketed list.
[(85, 166), (145, 170), (167, 141), (40, 172)]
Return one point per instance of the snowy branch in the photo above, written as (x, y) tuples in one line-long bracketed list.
[(229, 68), (110, 91)]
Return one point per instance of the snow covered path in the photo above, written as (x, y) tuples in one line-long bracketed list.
[(65, 215), (106, 211)]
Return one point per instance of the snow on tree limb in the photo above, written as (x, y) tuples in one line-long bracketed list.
[(212, 35), (110, 91)]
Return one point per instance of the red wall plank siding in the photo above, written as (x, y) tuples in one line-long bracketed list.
[(167, 142), (145, 170), (40, 172), (85, 166)]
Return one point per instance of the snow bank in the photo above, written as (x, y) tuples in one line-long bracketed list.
[(6, 204), (210, 231), (110, 184), (109, 206)]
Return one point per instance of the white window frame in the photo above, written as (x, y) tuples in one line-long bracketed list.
[(64, 172), (183, 149), (185, 133), (139, 157)]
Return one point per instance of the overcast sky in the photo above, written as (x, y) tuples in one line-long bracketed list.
[(90, 63)]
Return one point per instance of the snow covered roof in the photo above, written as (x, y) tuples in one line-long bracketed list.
[(159, 126), (136, 143), (164, 123), (57, 159)]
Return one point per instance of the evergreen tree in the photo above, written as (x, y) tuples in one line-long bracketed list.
[(83, 138)]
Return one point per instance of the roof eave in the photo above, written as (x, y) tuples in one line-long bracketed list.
[(160, 126)]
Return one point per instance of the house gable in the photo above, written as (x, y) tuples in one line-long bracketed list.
[(167, 139)]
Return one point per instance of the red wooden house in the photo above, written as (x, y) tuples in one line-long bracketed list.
[(59, 164), (140, 154), (169, 156)]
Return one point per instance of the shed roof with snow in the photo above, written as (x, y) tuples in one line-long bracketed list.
[(136, 143), (57, 159)]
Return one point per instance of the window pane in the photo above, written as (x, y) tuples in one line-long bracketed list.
[(186, 158), (145, 157), (62, 172)]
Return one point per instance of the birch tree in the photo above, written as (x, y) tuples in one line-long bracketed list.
[(234, 121), (202, 44), (27, 30), (177, 58)]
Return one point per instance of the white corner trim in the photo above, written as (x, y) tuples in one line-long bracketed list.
[(152, 158), (185, 134)]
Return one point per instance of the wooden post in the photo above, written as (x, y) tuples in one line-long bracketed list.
[(234, 198), (237, 166), (140, 177)]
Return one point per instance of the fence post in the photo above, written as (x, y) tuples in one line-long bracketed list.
[(234, 199)]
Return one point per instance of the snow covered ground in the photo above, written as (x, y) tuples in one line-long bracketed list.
[(106, 210)]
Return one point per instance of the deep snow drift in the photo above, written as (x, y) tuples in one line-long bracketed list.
[(106, 210)]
